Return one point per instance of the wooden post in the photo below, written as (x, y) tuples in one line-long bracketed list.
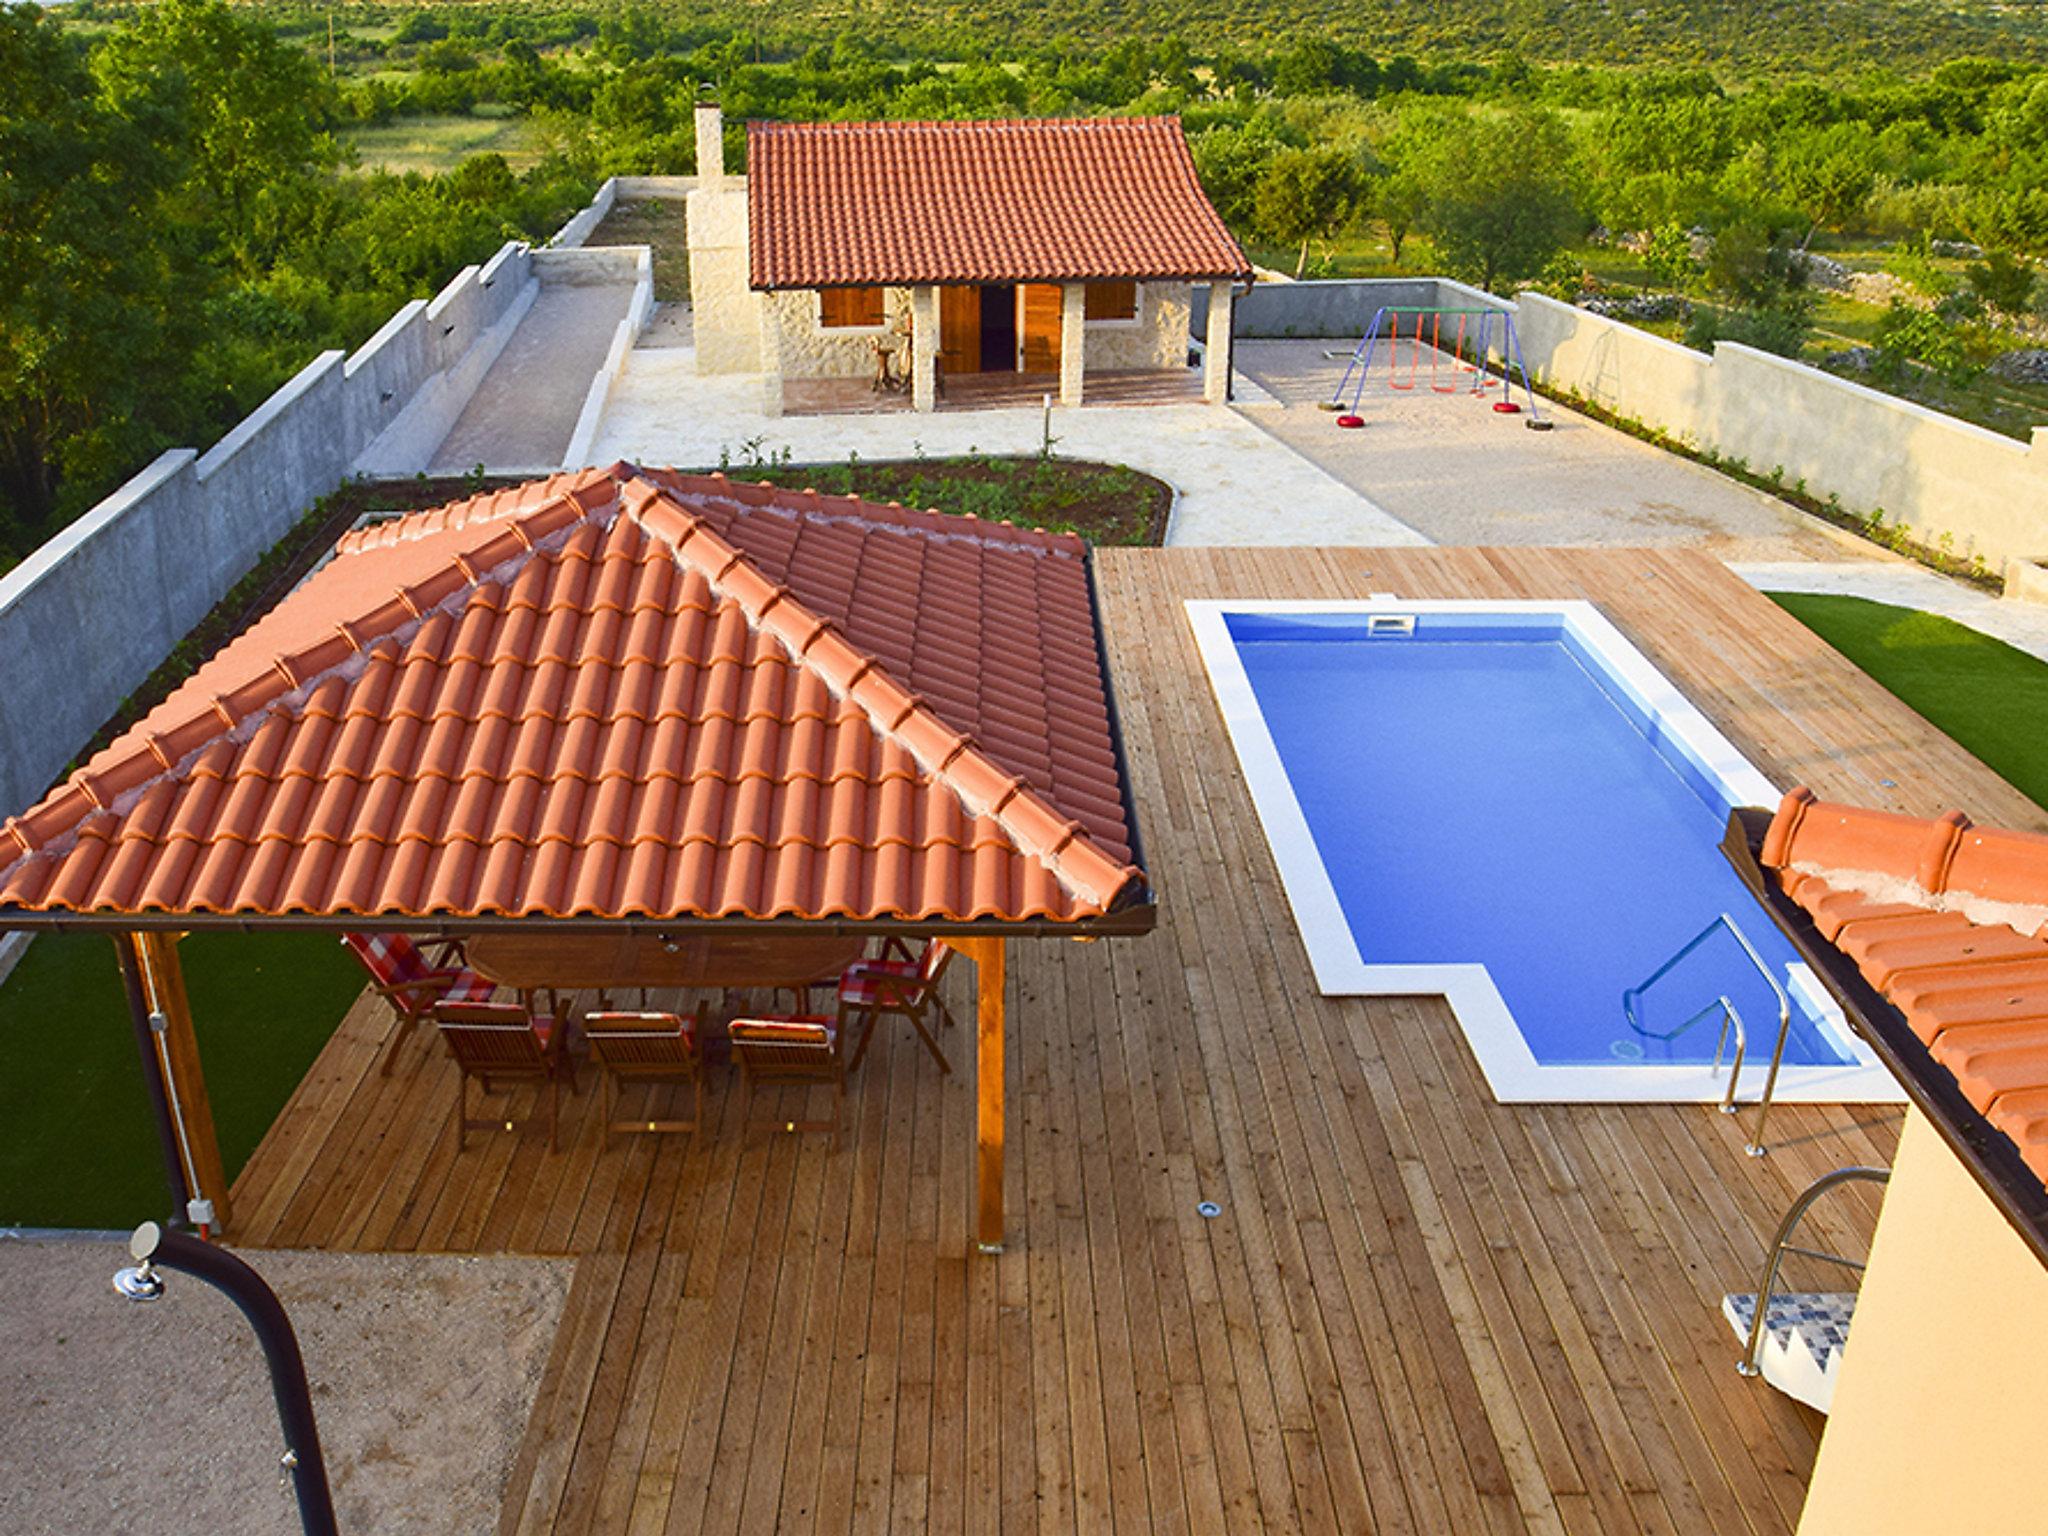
[(164, 982), (988, 958)]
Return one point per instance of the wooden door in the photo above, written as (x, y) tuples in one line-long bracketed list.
[(959, 330), (1041, 327)]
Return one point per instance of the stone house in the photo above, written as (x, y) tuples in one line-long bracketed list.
[(943, 258)]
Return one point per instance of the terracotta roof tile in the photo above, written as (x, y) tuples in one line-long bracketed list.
[(1037, 200), (1950, 923), (614, 708)]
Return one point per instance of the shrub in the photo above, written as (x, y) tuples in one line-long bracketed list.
[(1907, 336), (1781, 328)]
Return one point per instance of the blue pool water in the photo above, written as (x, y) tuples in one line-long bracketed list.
[(1483, 791)]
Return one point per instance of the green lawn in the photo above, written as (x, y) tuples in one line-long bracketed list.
[(438, 144), (1992, 699), (78, 1147)]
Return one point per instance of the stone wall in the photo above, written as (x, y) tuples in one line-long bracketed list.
[(86, 618), (811, 351), (1157, 338)]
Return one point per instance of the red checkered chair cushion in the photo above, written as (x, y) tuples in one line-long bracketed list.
[(394, 960), (509, 1016), (783, 1030), (858, 985)]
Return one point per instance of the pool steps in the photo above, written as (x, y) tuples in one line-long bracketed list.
[(1804, 1334)]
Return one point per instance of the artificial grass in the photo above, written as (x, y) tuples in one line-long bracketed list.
[(1989, 697), (78, 1146)]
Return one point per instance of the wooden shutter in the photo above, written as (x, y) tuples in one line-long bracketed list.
[(849, 306), (1112, 301)]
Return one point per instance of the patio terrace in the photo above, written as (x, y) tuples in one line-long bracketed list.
[(1417, 1311)]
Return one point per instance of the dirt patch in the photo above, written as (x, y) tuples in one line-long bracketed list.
[(1103, 503), (424, 1373), (656, 222)]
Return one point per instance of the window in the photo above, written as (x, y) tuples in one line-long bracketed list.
[(849, 306), (1112, 301)]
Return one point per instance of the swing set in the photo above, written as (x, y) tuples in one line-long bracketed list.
[(1450, 372)]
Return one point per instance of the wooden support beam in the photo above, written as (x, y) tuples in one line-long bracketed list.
[(163, 979), (990, 1031)]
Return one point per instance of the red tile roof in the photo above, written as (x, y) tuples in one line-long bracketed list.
[(1041, 200), (618, 694), (1949, 922)]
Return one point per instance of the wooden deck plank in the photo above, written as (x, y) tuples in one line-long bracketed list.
[(1419, 1311)]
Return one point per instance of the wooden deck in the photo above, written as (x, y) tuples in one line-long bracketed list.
[(1419, 1311)]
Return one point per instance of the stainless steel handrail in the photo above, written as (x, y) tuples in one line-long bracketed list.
[(1755, 1146), (1782, 1244)]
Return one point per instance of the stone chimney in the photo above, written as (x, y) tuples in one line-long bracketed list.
[(710, 144)]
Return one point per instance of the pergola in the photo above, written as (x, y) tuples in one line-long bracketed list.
[(620, 701)]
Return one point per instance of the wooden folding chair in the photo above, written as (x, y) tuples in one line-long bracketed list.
[(789, 1048), (403, 975), (649, 1049), (504, 1043), (897, 986)]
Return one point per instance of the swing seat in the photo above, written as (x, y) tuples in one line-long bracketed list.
[(1350, 421), (1329, 405), (1539, 424), (1506, 408)]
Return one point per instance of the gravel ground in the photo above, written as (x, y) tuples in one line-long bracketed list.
[(159, 1417)]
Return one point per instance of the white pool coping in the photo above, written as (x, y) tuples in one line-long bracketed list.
[(1510, 1068)]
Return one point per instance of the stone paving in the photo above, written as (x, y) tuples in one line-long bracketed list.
[(1458, 473), (1233, 484), (524, 411)]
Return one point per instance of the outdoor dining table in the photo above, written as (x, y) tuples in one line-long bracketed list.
[(529, 962)]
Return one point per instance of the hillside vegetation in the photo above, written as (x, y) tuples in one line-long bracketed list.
[(202, 195)]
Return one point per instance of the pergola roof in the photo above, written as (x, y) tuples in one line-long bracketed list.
[(1031, 200), (625, 694)]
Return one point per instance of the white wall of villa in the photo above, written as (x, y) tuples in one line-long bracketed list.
[(1936, 1421)]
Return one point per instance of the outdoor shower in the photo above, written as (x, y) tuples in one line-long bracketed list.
[(156, 1249)]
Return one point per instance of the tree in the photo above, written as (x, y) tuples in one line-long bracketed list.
[(92, 311), (252, 106), (1399, 199), (1828, 174), (1303, 194), (1501, 194), (1230, 160)]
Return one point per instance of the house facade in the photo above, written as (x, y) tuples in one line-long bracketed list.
[(914, 255)]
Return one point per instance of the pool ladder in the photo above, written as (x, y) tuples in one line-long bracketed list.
[(1730, 1020)]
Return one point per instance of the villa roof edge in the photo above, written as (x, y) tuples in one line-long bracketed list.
[(1988, 1153)]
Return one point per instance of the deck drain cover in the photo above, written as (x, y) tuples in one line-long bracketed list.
[(1209, 1208)]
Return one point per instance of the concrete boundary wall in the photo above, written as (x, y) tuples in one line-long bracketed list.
[(619, 189), (628, 332), (86, 618), (1946, 481), (579, 228), (1337, 308)]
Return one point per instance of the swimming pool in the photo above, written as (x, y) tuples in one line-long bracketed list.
[(1505, 803)]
